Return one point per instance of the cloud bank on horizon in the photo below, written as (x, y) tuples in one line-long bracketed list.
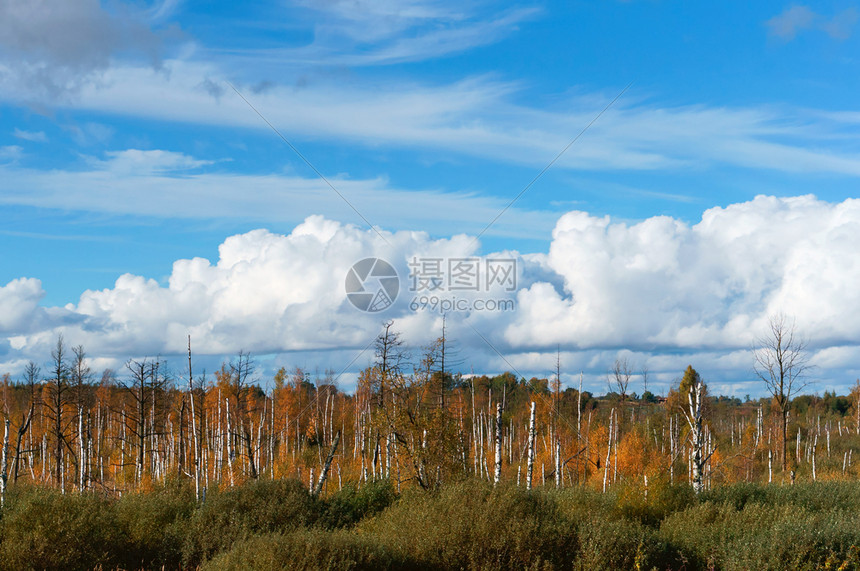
[(660, 290)]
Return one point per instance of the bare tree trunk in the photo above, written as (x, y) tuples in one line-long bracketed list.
[(4, 465), (21, 431), (608, 449), (671, 450), (327, 465), (579, 408), (531, 458), (229, 441), (498, 472), (797, 453), (784, 438), (81, 448), (814, 445), (769, 466), (558, 463), (194, 427)]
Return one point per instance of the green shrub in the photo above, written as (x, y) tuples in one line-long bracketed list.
[(463, 525), (353, 503), (155, 524), (470, 525), (663, 499), (609, 543), (44, 529), (762, 536), (262, 506), (308, 549)]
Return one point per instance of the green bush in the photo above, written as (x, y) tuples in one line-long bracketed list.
[(353, 503), (762, 536), (463, 525), (309, 549), (262, 506), (470, 525), (155, 524), (44, 529), (814, 496)]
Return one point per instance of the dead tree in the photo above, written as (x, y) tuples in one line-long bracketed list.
[(81, 377), (59, 398), (194, 437), (31, 376), (781, 363), (241, 370), (136, 421), (391, 357), (327, 466), (619, 379), (146, 384)]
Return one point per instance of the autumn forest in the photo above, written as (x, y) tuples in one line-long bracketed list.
[(413, 429)]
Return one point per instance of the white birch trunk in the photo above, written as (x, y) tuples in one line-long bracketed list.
[(797, 453), (579, 408), (698, 459), (229, 441), (769, 466), (194, 427), (81, 450), (531, 458), (814, 445), (327, 466), (498, 471), (4, 464), (608, 450)]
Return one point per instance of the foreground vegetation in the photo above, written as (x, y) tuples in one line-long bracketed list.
[(276, 524)]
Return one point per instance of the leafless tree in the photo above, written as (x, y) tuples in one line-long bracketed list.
[(147, 380), (327, 466), (781, 363), (81, 377), (31, 377), (58, 398), (619, 378), (391, 358), (241, 370)]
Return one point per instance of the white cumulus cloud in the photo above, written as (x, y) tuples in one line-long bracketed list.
[(663, 283), (661, 290)]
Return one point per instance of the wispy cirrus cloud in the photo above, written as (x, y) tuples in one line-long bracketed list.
[(168, 184), (32, 136), (10, 152), (480, 116), (356, 34)]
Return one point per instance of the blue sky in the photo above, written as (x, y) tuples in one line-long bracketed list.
[(124, 148)]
